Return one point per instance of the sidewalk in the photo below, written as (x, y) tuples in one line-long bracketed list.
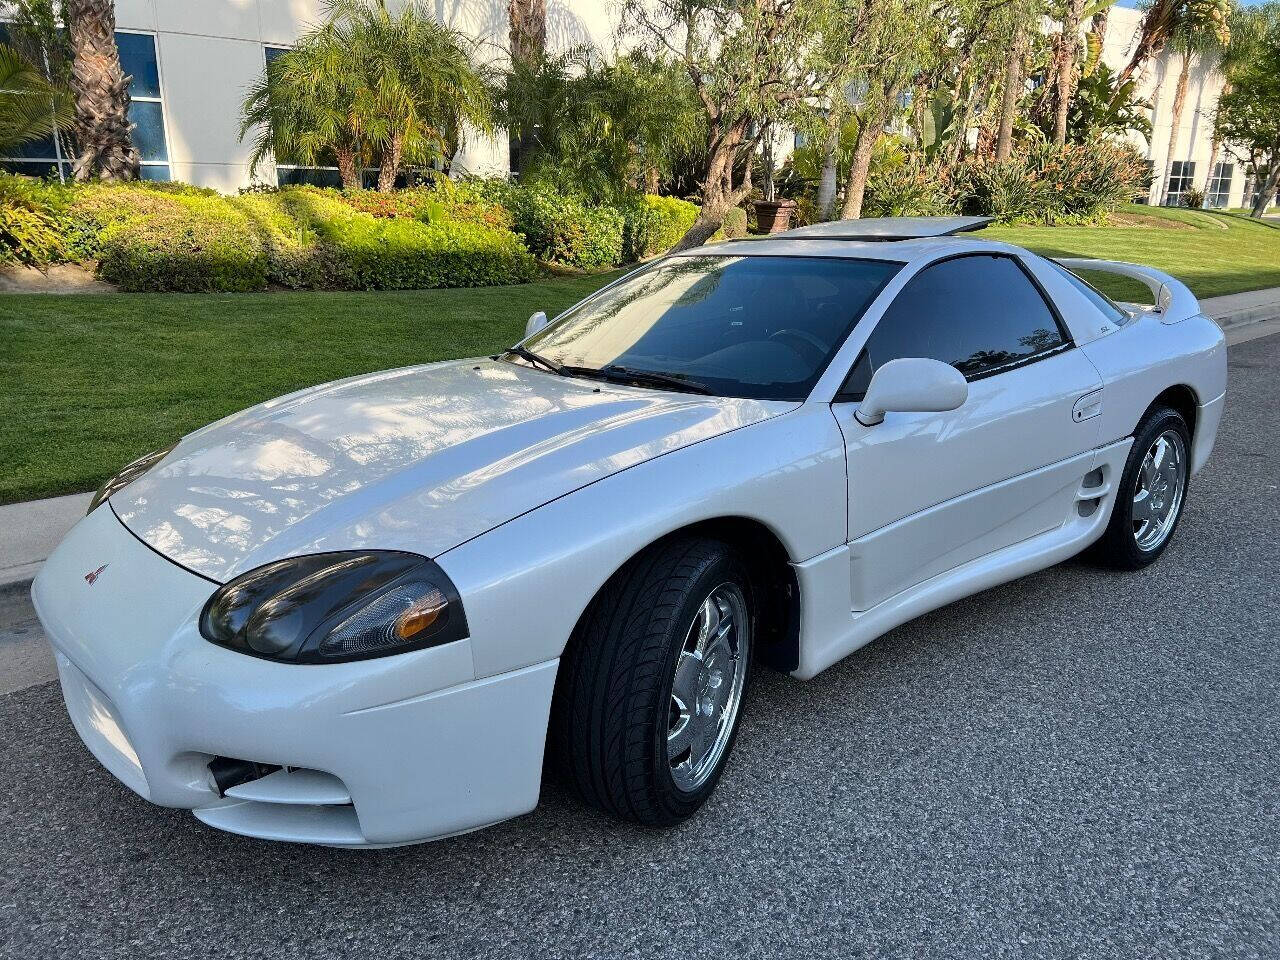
[(1239, 309), (29, 531)]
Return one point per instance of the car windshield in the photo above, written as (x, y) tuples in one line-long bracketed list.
[(744, 326)]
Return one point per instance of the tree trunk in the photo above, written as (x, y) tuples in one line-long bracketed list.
[(1152, 39), (1208, 180), (710, 219), (1214, 147), (390, 164), (1098, 27), (347, 168), (527, 34), (1066, 63), (101, 92), (718, 192), (1266, 191), (956, 150), (827, 185), (528, 28), (863, 147), (1179, 101), (1012, 93)]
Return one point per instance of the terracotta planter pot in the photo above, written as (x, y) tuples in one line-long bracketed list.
[(773, 216)]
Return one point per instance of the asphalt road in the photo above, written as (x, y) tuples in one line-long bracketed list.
[(1078, 764)]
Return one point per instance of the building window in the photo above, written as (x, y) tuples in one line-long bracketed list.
[(1181, 175), (1218, 190), (291, 173), (53, 156), (146, 105)]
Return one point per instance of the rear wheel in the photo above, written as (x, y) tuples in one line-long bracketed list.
[(651, 686), (1152, 493)]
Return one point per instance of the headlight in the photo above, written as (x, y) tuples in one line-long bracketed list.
[(127, 475), (332, 607)]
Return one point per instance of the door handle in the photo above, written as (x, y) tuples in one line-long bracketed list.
[(1087, 407)]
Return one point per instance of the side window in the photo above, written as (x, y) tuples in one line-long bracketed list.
[(974, 312)]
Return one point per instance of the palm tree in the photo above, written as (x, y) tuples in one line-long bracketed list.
[(1163, 19), (398, 85), (417, 85), (527, 22), (31, 106), (101, 93), (1066, 60), (528, 28), (299, 111), (1202, 33), (1247, 27)]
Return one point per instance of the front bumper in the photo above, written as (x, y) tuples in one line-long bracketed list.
[(392, 750)]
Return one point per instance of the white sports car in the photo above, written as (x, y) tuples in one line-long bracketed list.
[(357, 615)]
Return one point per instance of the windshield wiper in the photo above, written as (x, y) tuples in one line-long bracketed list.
[(619, 374), (536, 358)]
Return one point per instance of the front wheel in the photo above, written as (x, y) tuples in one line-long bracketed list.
[(651, 686), (1153, 491)]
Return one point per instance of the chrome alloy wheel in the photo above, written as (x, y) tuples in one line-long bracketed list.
[(706, 692), (1158, 490)]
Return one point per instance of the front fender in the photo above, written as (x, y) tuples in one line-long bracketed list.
[(525, 583)]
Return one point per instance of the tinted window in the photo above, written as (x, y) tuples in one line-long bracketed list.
[(763, 327), (1096, 297), (148, 129), (138, 60), (976, 313)]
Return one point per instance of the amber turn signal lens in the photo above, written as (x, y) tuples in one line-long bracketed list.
[(424, 612)]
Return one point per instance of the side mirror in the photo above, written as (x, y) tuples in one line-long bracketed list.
[(912, 385), (536, 323)]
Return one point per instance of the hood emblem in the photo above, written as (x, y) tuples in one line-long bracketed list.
[(92, 577)]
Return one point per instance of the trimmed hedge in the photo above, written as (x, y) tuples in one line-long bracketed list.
[(146, 238), (656, 223), (558, 228), (175, 237)]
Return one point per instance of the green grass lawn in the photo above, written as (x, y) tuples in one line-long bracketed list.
[(1212, 253), (90, 382), (87, 383)]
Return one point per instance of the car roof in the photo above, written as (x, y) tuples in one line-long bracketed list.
[(889, 228), (897, 251)]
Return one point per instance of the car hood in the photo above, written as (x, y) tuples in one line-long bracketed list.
[(419, 459)]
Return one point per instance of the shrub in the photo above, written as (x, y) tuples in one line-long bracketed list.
[(1087, 179), (656, 225), (1051, 183), (907, 189), (735, 225), (1192, 198), (559, 228), (410, 254), (199, 247), (298, 237), (1005, 189), (317, 239), (32, 221)]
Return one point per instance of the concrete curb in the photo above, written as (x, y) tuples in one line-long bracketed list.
[(29, 531)]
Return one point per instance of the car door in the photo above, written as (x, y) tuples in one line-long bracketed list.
[(931, 491)]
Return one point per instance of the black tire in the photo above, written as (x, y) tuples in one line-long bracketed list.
[(610, 714), (1118, 548)]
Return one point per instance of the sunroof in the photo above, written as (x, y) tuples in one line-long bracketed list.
[(887, 228)]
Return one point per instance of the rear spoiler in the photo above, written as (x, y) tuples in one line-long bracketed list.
[(1173, 301)]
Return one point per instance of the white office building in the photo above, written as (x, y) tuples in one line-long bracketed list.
[(1225, 185), (193, 60)]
